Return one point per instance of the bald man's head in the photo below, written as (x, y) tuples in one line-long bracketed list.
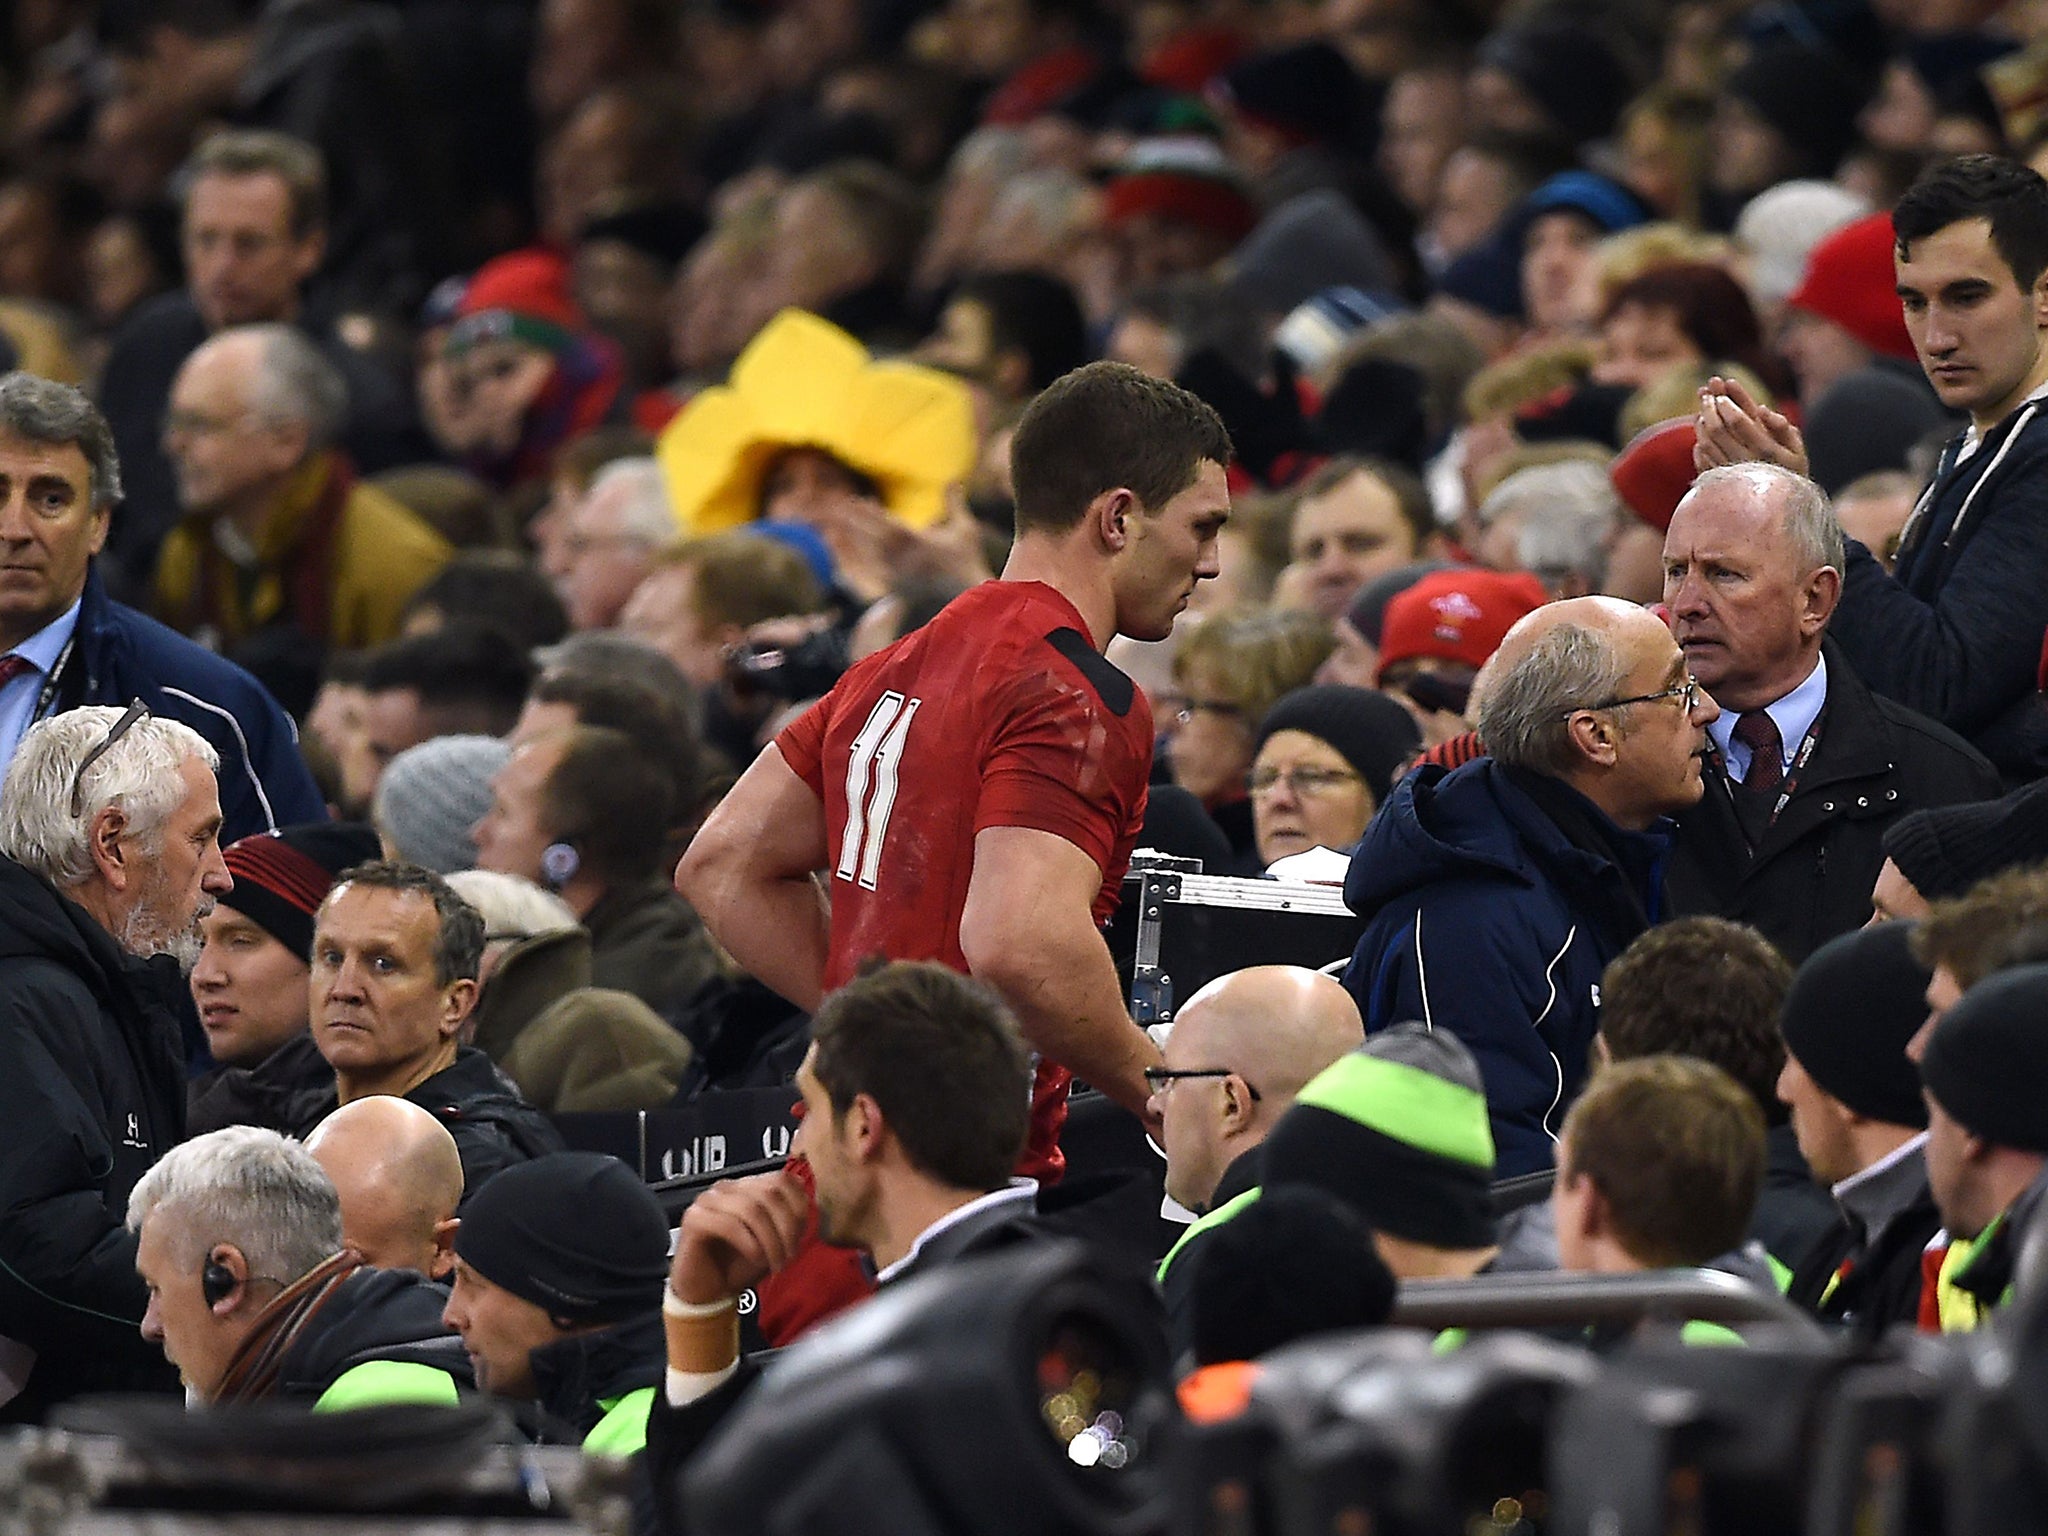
[(400, 1179), (1257, 1035), (1593, 691)]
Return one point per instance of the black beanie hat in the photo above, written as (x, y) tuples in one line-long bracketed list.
[(1571, 71), (1808, 96), (1987, 1058), (1398, 1131), (1308, 90), (1296, 1261), (1371, 732), (1852, 1007), (282, 877), (575, 1233), (1946, 849)]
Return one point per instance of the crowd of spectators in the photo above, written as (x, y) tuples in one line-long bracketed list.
[(543, 541)]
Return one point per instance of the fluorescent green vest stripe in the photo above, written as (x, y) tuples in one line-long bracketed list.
[(1709, 1335), (623, 1429), (1215, 1218), (379, 1383), (1406, 1104), (1781, 1275)]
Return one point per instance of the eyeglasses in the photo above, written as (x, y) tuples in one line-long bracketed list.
[(1299, 781), (1689, 690), (1159, 1079), (1192, 707), (198, 424), (136, 711)]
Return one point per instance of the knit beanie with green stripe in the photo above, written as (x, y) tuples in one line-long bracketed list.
[(1398, 1131)]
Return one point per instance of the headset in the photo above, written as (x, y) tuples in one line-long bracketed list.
[(217, 1282), (558, 865)]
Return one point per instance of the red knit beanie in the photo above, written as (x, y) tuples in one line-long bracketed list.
[(522, 294), (1184, 197), (1850, 280), (1653, 473)]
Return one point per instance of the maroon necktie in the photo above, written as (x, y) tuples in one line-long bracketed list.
[(1759, 732), (12, 667)]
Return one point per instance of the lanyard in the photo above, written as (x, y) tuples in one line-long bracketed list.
[(1790, 786), (49, 690)]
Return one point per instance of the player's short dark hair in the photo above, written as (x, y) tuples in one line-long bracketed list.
[(941, 1057), (496, 587), (611, 801), (472, 675), (1703, 987), (1676, 1147), (1033, 313), (1106, 426), (459, 927), (2008, 194)]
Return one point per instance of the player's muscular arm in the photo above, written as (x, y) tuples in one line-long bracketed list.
[(748, 873), (1028, 931)]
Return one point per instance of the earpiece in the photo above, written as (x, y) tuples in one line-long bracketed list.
[(217, 1282), (558, 865)]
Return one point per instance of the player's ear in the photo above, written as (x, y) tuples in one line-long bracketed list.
[(1111, 513)]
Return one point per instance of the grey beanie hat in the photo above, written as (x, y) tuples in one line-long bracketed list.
[(432, 794)]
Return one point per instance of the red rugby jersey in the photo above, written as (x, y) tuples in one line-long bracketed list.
[(998, 713)]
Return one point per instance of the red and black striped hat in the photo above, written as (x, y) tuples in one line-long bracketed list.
[(281, 877)]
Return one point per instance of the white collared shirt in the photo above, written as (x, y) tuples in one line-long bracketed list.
[(18, 697), (1883, 1165), (1793, 715), (1019, 1192)]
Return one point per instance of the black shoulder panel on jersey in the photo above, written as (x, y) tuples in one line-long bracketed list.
[(1114, 689)]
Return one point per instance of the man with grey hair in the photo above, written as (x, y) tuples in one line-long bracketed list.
[(64, 641), (252, 1294), (615, 532), (1496, 893), (255, 233), (1808, 767), (109, 856), (1555, 521), (276, 529)]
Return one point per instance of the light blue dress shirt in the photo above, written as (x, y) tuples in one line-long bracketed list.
[(1793, 715), (18, 697)]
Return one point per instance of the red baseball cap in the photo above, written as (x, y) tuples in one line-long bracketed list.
[(1457, 615)]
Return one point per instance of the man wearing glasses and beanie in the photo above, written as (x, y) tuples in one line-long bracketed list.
[(109, 826), (1496, 893)]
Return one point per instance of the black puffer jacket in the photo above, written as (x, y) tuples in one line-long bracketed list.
[(376, 1314), (492, 1125), (289, 1091), (92, 1093)]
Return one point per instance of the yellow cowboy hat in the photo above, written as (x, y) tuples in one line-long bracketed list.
[(802, 382)]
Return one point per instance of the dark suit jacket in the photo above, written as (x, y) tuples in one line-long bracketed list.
[(1809, 877), (674, 1435)]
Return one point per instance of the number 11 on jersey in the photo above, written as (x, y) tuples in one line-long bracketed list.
[(871, 787)]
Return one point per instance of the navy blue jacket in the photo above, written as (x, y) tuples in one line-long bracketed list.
[(1956, 634), (118, 655), (1487, 918)]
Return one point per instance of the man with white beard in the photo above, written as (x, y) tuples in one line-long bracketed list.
[(109, 857)]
